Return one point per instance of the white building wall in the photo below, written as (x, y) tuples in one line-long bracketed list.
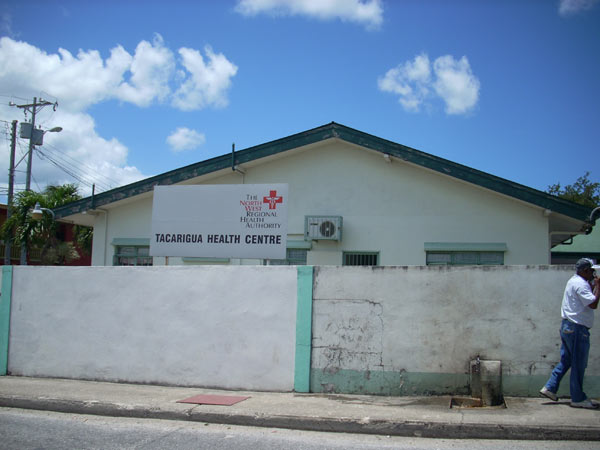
[(395, 208), (390, 208)]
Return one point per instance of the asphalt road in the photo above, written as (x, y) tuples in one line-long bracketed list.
[(27, 429)]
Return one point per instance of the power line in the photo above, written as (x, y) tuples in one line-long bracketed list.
[(14, 97), (65, 169), (80, 171), (84, 167), (75, 169)]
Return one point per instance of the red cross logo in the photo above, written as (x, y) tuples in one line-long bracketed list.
[(273, 199)]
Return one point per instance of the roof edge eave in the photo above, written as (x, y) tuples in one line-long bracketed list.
[(334, 130)]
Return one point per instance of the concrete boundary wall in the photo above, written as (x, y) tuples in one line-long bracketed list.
[(381, 330), (414, 330), (230, 327)]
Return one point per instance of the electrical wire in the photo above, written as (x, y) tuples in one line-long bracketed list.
[(83, 167), (67, 170), (74, 170), (80, 171)]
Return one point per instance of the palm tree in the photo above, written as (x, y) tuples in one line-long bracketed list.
[(22, 229)]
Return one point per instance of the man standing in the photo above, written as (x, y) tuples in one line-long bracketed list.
[(577, 311)]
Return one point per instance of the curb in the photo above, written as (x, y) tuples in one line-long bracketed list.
[(379, 427)]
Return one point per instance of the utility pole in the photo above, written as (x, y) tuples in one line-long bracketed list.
[(33, 108), (11, 187)]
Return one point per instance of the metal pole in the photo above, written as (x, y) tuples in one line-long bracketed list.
[(11, 187)]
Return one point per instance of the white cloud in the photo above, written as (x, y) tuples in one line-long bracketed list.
[(410, 81), (207, 83), (185, 139), (417, 81), (79, 81), (364, 12), (151, 68), (456, 84), (571, 7), (78, 147)]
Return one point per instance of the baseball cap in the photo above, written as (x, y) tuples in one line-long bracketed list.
[(584, 263)]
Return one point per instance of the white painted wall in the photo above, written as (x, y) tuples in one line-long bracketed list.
[(437, 319), (388, 208), (233, 327), (227, 327)]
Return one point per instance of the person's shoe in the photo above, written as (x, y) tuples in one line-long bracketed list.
[(587, 404), (548, 394)]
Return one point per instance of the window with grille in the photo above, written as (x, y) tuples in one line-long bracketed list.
[(457, 258), (293, 257), (132, 255), (361, 259)]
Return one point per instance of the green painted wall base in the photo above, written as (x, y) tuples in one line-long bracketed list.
[(303, 329), (5, 301), (421, 383)]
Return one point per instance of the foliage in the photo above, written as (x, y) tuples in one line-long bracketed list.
[(21, 228), (583, 191), (83, 238)]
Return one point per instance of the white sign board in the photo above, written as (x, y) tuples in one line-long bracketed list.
[(220, 221)]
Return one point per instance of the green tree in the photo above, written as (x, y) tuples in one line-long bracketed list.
[(22, 228), (583, 191)]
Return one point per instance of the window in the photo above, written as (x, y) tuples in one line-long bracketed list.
[(131, 252), (295, 254), (293, 257), (132, 255), (361, 258), (464, 258), (465, 253)]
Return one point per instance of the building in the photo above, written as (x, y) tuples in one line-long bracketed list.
[(65, 234), (384, 204), (582, 246)]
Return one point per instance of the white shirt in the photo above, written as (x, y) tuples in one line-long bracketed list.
[(576, 300)]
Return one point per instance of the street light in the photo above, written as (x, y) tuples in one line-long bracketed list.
[(38, 212)]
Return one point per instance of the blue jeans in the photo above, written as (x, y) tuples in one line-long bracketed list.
[(574, 353)]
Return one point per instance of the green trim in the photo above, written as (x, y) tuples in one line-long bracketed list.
[(303, 329), (131, 242), (402, 383), (202, 259), (297, 244), (333, 131), (5, 301), (465, 247), (380, 382)]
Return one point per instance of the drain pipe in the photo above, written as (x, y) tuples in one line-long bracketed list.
[(234, 166)]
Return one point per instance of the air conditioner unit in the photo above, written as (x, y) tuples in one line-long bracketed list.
[(323, 227)]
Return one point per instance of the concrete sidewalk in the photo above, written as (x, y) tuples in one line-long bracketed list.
[(523, 418)]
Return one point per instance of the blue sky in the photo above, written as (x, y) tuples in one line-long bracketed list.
[(509, 87)]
